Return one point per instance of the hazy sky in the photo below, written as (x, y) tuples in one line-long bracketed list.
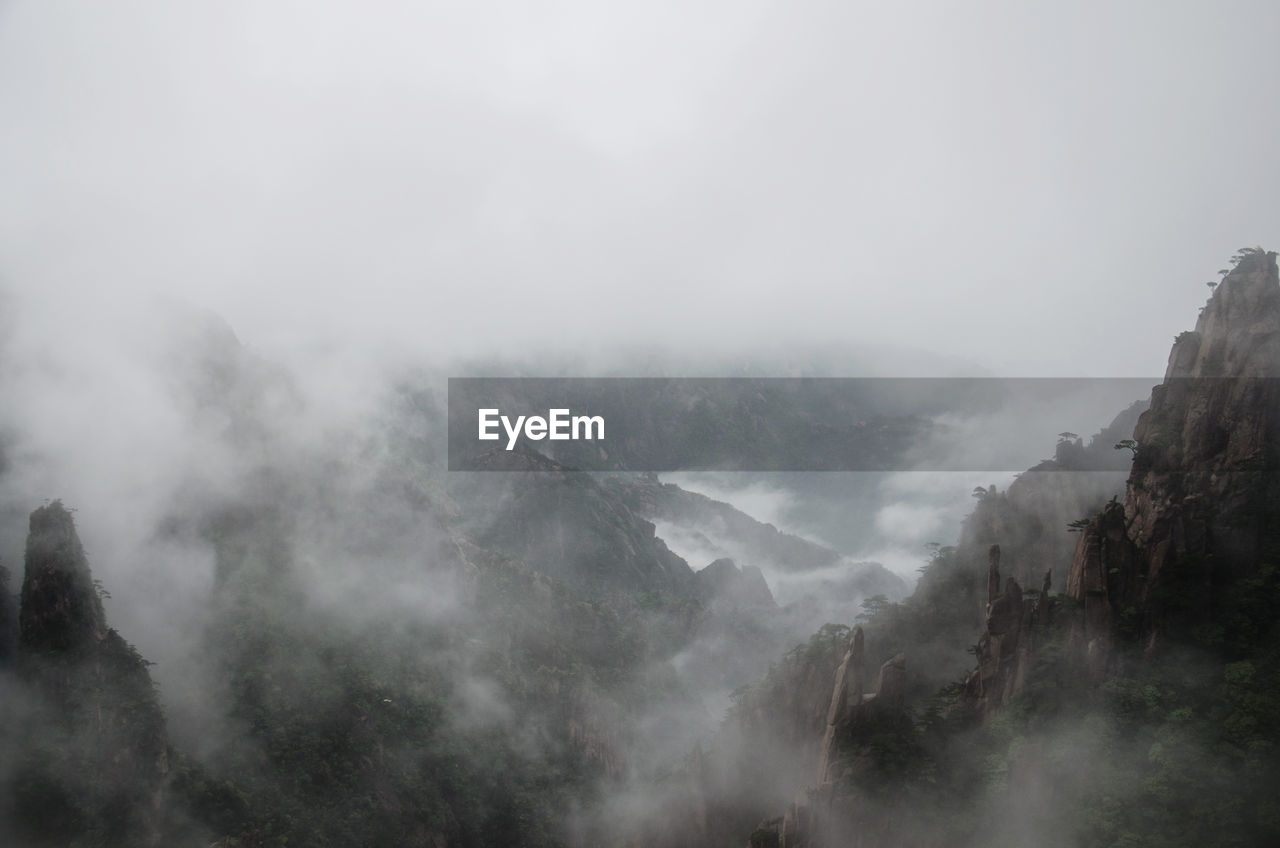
[(1043, 189)]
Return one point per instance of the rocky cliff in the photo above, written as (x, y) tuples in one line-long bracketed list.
[(1031, 521), (1199, 514), (1008, 640), (90, 755), (60, 606), (830, 812), (1117, 710)]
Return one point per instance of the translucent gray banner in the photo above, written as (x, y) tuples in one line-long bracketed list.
[(787, 424)]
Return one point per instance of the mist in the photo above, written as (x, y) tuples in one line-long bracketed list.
[(970, 182), (244, 245)]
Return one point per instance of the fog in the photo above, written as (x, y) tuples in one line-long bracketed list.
[(242, 245), (1002, 182)]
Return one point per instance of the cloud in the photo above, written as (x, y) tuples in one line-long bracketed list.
[(467, 178)]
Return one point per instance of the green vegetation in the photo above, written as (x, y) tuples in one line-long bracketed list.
[(1172, 752)]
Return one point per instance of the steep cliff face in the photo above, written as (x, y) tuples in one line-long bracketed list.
[(833, 811), (1030, 521), (792, 705), (1203, 493), (60, 607), (1008, 640), (91, 755), (1198, 511), (1066, 731)]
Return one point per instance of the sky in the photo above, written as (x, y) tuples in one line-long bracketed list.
[(1043, 190)]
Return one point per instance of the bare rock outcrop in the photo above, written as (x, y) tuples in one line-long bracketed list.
[(1030, 520), (1007, 643), (1197, 515), (831, 813), (846, 694)]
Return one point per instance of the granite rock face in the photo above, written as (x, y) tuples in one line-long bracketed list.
[(1198, 516), (1008, 641), (1200, 501), (1198, 506), (1030, 521), (830, 813), (846, 697)]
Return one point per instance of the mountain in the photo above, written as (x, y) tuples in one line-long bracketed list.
[(382, 652), (1199, 512), (801, 569), (86, 750), (567, 525), (1138, 707)]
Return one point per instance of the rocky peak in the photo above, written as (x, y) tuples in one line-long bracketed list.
[(1237, 332), (846, 696), (723, 583), (1217, 408), (1008, 640), (832, 812), (1202, 491), (102, 730), (1200, 518), (60, 606)]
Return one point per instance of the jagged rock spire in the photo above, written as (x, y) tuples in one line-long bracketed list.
[(88, 679), (811, 817), (60, 607), (846, 693)]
